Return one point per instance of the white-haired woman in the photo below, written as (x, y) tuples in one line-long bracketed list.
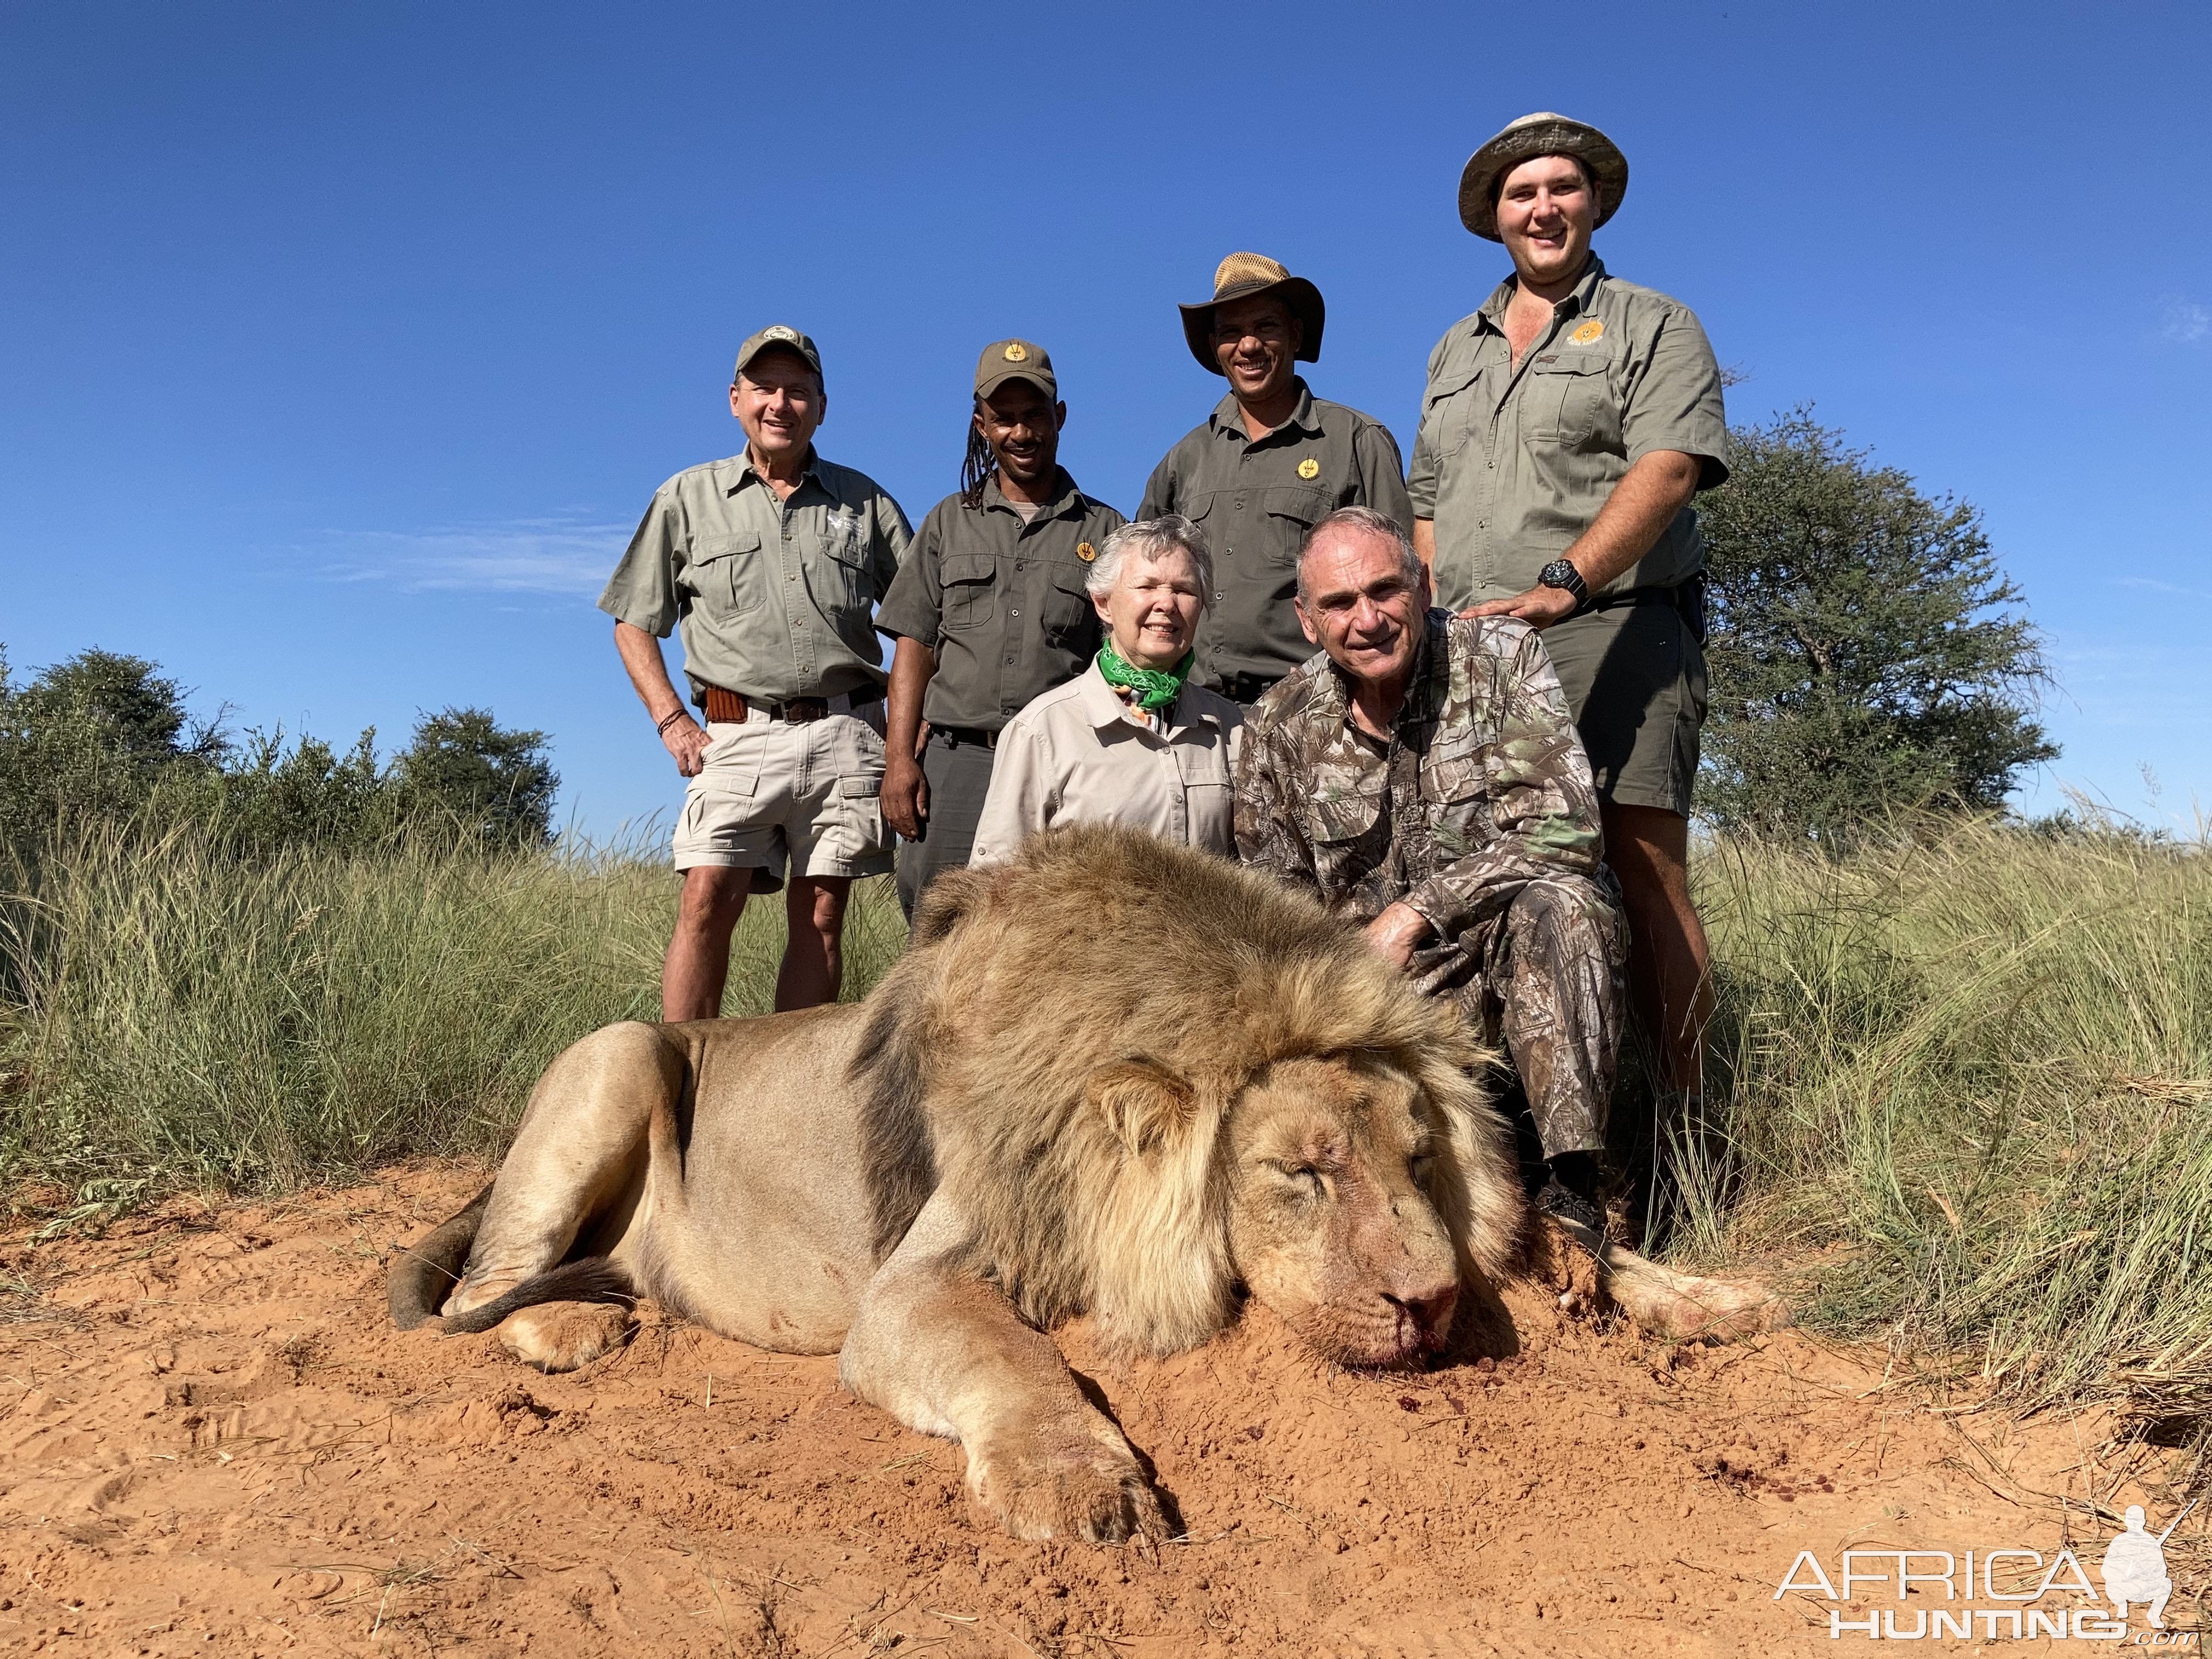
[(1128, 740)]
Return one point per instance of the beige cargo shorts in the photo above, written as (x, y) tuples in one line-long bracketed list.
[(805, 798)]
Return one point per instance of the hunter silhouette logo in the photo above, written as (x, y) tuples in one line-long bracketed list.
[(2135, 1566)]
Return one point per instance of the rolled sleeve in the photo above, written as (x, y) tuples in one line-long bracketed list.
[(1382, 478), (1159, 489), (1674, 400), (894, 536), (642, 590), (913, 609), (1421, 476)]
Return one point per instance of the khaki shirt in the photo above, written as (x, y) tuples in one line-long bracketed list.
[(1000, 601), (1077, 756), (776, 599), (1514, 466), (1482, 789), (1254, 499)]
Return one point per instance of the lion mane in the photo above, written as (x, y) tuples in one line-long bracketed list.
[(1087, 1153)]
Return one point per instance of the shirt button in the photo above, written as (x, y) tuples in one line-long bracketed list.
[(1013, 613), (1021, 564), (1010, 662)]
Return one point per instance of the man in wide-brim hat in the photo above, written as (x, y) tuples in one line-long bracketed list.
[(1566, 426), (1271, 461)]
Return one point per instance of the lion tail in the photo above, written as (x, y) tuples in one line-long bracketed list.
[(593, 1278), (426, 1271)]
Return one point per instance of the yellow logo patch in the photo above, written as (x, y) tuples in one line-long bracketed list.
[(1016, 352), (1084, 551), (1309, 468), (1592, 330)]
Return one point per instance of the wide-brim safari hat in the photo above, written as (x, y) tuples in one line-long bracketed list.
[(1541, 134), (1244, 277)]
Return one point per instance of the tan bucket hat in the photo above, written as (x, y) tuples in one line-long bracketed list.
[(1540, 134), (1240, 276)]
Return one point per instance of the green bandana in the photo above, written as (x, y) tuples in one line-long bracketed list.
[(1155, 690)]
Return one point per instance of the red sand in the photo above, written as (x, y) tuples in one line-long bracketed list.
[(215, 1444)]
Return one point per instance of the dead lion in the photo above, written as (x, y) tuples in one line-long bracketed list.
[(1115, 1077)]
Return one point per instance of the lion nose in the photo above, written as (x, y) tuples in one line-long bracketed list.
[(1431, 1308)]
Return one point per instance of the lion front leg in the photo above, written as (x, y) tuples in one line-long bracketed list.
[(945, 1353)]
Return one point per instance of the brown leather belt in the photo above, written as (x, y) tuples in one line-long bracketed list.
[(735, 708)]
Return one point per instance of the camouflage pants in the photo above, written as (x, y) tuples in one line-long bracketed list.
[(1545, 978)]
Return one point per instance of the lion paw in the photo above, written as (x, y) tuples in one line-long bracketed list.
[(560, 1336), (1073, 1486)]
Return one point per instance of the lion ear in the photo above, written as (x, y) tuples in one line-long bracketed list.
[(1143, 1102)]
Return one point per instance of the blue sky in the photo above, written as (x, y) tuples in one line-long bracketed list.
[(341, 347)]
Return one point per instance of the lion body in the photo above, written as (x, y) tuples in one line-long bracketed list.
[(1112, 1077)]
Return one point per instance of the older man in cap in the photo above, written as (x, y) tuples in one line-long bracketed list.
[(1566, 426), (1267, 465), (989, 609), (770, 562)]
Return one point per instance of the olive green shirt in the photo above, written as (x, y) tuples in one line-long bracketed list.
[(776, 598), (1000, 601), (1254, 499), (1514, 466)]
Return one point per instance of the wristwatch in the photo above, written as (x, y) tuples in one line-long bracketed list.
[(1561, 574)]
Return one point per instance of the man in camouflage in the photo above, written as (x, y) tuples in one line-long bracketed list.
[(1422, 778)]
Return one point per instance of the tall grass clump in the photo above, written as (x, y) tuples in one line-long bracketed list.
[(179, 1013), (1965, 1077)]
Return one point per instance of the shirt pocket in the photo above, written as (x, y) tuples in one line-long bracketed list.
[(726, 575), (1455, 785), (969, 584), (1447, 412), (1570, 398), (1290, 513), (1070, 619), (844, 542)]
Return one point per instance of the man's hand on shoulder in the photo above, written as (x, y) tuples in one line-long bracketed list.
[(687, 740), (1396, 931), (1540, 607)]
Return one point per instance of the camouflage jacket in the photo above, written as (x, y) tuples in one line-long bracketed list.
[(1483, 787)]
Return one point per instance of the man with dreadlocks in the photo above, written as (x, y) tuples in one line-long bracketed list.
[(989, 610), (1267, 465)]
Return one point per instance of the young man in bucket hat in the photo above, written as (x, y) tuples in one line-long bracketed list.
[(1267, 465), (989, 610), (771, 563), (1565, 427)]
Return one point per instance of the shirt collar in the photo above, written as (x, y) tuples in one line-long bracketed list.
[(1577, 300), (1063, 502), (1228, 417), (1103, 708), (742, 467)]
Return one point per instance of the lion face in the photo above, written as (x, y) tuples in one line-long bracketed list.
[(1328, 1222)]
